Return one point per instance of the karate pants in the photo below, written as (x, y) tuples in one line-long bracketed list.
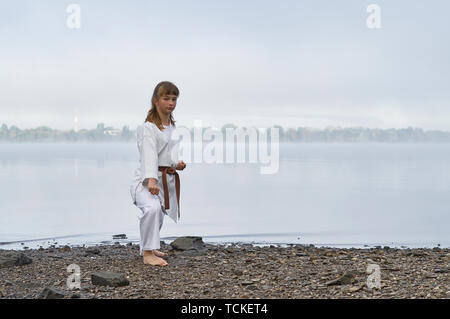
[(151, 217)]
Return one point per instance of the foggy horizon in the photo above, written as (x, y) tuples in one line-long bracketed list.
[(293, 64)]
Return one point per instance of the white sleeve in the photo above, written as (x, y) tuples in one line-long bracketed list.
[(150, 154)]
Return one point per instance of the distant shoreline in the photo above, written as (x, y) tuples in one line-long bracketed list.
[(56, 242)]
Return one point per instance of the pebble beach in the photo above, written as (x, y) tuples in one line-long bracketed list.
[(199, 270)]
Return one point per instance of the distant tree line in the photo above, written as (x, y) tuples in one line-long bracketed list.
[(47, 134), (361, 134), (301, 134)]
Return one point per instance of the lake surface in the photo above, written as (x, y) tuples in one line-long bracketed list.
[(337, 195)]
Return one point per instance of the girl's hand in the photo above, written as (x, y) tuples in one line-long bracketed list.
[(181, 166), (153, 186)]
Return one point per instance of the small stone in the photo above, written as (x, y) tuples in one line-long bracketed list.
[(418, 254), (93, 250), (109, 278), (51, 293), (306, 283), (355, 289), (441, 270), (330, 253), (345, 279), (54, 256), (65, 249), (246, 282), (238, 272)]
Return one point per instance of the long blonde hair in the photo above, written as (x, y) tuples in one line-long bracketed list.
[(161, 89)]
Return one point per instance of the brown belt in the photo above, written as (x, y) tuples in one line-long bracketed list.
[(170, 170)]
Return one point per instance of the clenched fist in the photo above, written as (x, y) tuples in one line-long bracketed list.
[(153, 186), (181, 166)]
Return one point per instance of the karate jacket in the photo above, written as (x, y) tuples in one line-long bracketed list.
[(155, 149)]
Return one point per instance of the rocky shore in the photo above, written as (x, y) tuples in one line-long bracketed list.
[(199, 270)]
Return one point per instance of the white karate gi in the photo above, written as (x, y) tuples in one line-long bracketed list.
[(156, 148)]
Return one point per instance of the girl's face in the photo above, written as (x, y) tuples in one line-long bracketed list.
[(167, 103)]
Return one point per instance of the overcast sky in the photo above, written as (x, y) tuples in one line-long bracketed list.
[(250, 62)]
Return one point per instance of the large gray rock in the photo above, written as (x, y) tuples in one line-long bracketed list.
[(109, 278), (13, 258), (188, 243)]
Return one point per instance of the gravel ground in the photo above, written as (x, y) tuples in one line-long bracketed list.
[(234, 271)]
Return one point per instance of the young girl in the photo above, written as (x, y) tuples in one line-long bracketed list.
[(156, 187)]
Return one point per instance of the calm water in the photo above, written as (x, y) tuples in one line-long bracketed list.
[(340, 195)]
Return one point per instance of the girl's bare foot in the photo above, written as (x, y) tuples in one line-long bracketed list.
[(151, 259), (159, 253)]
